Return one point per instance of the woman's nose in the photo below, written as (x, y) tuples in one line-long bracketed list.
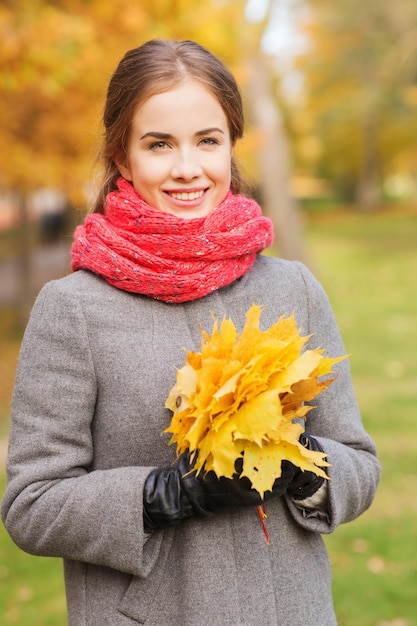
[(186, 165)]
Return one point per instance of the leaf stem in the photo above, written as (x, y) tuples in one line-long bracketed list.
[(262, 514)]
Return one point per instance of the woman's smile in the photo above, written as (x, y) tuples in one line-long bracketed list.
[(186, 196)]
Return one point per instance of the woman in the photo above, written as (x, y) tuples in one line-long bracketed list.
[(91, 478)]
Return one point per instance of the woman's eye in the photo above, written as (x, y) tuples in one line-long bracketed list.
[(209, 141), (158, 145)]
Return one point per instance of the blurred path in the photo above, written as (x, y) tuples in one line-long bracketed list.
[(47, 263), (3, 452)]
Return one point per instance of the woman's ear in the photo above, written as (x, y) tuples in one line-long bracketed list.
[(123, 167)]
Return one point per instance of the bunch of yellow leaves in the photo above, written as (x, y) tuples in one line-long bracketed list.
[(239, 398)]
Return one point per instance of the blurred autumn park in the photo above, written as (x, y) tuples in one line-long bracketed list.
[(330, 92)]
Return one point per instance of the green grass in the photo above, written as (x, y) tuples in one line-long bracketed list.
[(31, 588), (367, 265)]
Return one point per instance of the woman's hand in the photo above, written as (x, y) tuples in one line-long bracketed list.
[(305, 484), (176, 493)]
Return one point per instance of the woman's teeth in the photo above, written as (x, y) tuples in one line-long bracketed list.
[(193, 195)]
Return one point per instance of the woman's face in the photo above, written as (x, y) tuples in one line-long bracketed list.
[(179, 151)]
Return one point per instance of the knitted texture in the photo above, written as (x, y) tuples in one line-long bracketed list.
[(140, 249)]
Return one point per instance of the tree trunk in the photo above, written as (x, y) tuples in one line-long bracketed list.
[(23, 261), (368, 195), (275, 168)]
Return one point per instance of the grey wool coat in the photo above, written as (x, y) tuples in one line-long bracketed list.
[(95, 369)]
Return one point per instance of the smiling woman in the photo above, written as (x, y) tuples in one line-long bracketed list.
[(171, 244), (167, 67), (179, 151)]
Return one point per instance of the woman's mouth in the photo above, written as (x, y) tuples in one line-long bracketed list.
[(186, 196)]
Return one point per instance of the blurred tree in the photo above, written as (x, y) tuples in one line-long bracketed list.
[(275, 163), (356, 122), (56, 58)]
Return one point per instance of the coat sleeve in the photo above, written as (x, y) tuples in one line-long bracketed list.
[(354, 470), (53, 504)]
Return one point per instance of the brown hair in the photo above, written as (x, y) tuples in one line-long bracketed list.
[(155, 67)]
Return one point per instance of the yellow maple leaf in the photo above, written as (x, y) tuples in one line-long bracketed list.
[(243, 396)]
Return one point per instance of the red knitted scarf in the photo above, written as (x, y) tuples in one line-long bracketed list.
[(140, 249)]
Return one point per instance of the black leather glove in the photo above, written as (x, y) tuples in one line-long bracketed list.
[(305, 484), (173, 494)]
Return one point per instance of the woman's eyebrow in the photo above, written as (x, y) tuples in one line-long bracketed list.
[(157, 135), (207, 131)]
